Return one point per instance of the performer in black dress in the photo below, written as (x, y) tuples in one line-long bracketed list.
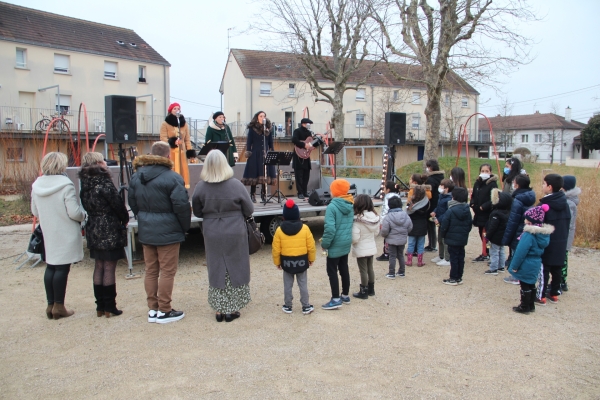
[(302, 165), (260, 140)]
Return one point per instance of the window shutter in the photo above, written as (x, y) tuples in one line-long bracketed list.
[(20, 58), (61, 63), (110, 69), (265, 88)]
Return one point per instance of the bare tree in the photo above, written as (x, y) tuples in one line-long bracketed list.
[(474, 38), (503, 131), (453, 115), (554, 134), (387, 99), (331, 39)]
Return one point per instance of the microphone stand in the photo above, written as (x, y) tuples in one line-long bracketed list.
[(181, 161), (264, 159)]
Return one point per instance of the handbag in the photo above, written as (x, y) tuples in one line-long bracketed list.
[(255, 238), (36, 243)]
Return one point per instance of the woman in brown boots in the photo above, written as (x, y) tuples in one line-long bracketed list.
[(54, 202), (105, 230)]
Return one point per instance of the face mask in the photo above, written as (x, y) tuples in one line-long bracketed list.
[(451, 179), (484, 176), (308, 126), (506, 170), (427, 169), (441, 190)]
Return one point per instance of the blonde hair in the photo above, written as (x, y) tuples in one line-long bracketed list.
[(54, 163), (216, 169), (91, 158), (161, 149)]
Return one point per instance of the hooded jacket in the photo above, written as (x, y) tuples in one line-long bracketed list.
[(523, 200), (107, 216), (54, 202), (496, 225), (419, 217), (396, 227), (457, 224), (292, 240), (442, 206), (386, 208), (434, 180), (364, 230), (337, 233), (526, 261), (481, 197), (215, 133), (158, 197), (573, 201), (559, 216)]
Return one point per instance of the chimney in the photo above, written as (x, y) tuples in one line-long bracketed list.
[(568, 114)]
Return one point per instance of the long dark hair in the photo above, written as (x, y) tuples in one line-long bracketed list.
[(515, 169), (254, 121), (458, 177), (363, 203)]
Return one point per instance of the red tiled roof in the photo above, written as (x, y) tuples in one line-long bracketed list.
[(26, 25), (530, 122), (287, 66)]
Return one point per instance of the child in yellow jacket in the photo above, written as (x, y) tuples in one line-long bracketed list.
[(293, 252)]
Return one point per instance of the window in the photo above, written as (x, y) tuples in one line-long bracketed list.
[(141, 74), (416, 121), (14, 154), (61, 63), (360, 94), (524, 138), (65, 103), (292, 89), (465, 102), (358, 153), (21, 58), (416, 98), (265, 88), (396, 95), (360, 119), (447, 100), (537, 138), (110, 69)]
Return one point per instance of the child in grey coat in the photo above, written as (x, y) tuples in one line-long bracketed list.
[(395, 229)]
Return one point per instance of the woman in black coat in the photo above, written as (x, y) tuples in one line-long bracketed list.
[(259, 136), (481, 203), (105, 230)]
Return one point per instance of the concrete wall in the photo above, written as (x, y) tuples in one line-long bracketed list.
[(589, 163)]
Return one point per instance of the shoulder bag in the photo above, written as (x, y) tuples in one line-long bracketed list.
[(255, 238)]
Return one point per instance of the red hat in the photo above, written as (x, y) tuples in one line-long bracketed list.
[(172, 106)]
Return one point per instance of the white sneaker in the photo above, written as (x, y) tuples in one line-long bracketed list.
[(443, 263), (436, 260), (152, 316)]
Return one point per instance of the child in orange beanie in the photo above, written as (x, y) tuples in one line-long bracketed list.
[(337, 240)]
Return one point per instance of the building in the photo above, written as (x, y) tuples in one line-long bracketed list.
[(51, 63), (549, 137), (273, 82)]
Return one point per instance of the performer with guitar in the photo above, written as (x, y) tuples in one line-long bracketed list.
[(302, 139)]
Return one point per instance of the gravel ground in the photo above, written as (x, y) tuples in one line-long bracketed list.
[(417, 338)]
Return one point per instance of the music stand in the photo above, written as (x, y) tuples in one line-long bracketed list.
[(223, 146), (334, 148), (277, 158)]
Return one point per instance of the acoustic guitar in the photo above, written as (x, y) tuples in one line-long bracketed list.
[(305, 153)]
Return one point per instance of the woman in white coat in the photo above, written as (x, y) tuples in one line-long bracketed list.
[(364, 230), (54, 202)]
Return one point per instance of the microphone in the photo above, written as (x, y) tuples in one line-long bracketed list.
[(265, 124)]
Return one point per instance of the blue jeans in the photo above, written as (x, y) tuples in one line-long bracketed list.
[(497, 257), (418, 242)]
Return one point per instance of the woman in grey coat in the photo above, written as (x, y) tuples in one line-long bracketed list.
[(224, 203)]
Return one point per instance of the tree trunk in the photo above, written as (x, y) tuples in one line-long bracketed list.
[(433, 114), (338, 114)]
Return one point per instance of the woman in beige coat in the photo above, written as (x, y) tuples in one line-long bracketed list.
[(176, 132), (54, 202)]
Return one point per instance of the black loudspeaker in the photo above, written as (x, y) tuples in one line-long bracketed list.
[(319, 197), (121, 121), (395, 128)]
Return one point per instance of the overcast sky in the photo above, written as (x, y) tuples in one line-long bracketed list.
[(192, 36)]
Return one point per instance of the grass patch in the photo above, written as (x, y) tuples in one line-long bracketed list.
[(15, 212)]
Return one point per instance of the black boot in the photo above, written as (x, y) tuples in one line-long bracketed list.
[(110, 303), (523, 308), (532, 300), (371, 289), (362, 293), (99, 295), (263, 194), (253, 197)]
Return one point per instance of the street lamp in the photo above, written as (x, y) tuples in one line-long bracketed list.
[(57, 89), (360, 112), (151, 110)]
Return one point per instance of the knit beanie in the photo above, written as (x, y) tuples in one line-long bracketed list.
[(569, 182), (291, 211), (172, 106), (535, 215), (215, 115), (339, 187)]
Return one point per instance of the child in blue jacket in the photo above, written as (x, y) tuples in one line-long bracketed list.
[(526, 262), (445, 189)]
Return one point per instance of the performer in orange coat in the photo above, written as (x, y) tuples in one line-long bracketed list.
[(176, 132)]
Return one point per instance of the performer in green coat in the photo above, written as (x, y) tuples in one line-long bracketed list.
[(218, 131)]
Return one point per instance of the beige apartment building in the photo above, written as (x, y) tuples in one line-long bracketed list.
[(273, 82), (51, 63)]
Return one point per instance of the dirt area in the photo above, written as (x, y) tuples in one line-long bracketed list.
[(417, 338)]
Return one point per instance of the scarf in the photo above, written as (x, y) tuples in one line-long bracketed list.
[(418, 205), (172, 120)]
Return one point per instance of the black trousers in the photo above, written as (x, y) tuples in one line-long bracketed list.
[(333, 266), (55, 281), (556, 272), (457, 261), (527, 286), (432, 234), (302, 176)]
